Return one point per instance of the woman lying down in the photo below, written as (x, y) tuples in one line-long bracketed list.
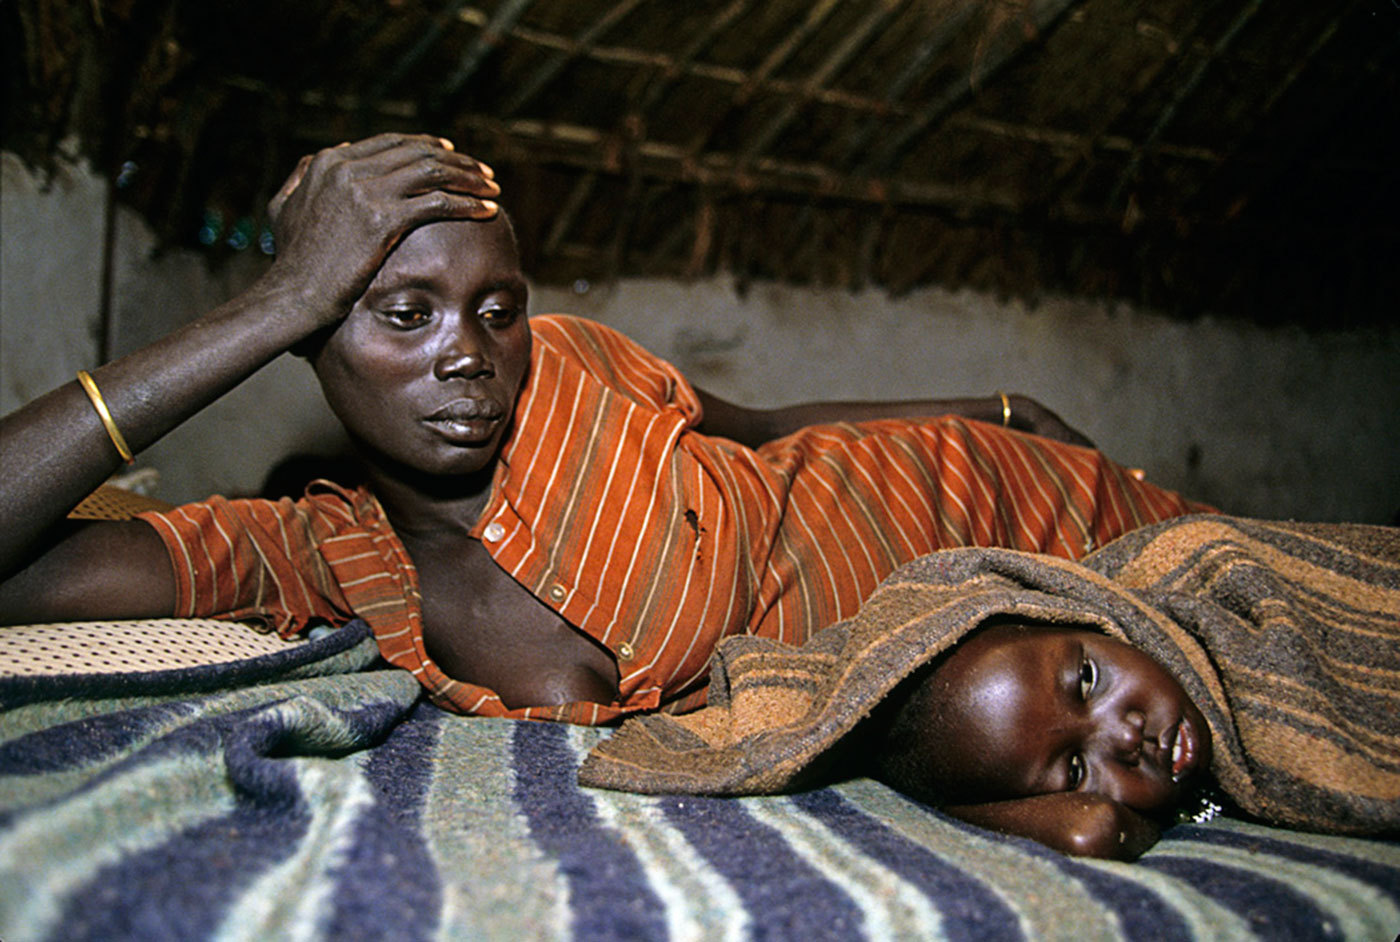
[(1083, 705)]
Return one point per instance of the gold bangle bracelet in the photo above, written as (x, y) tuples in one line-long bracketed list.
[(95, 397), (1005, 409)]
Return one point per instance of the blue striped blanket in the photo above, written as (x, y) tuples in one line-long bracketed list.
[(319, 797)]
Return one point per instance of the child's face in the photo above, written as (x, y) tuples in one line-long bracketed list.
[(426, 367), (1037, 710)]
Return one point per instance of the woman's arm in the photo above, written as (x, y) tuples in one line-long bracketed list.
[(336, 219), (753, 427), (1077, 823)]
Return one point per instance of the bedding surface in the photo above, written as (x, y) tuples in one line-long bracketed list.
[(304, 793)]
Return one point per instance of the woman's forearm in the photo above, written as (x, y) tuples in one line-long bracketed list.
[(753, 427), (56, 450)]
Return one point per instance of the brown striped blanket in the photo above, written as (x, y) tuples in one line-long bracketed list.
[(1286, 635)]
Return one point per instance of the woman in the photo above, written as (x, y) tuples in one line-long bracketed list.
[(556, 523)]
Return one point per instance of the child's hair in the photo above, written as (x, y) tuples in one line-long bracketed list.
[(908, 733), (901, 737)]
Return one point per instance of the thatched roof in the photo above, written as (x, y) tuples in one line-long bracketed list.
[(1219, 155)]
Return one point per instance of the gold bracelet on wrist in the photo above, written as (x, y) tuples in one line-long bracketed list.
[(1005, 409), (95, 397)]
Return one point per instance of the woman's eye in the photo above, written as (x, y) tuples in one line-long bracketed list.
[(498, 315), (1076, 772), (406, 317), (1088, 678)]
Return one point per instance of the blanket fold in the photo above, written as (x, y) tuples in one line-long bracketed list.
[(1286, 635)]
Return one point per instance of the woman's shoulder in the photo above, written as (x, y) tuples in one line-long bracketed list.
[(565, 330), (610, 358)]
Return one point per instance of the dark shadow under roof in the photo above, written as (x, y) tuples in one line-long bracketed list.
[(1225, 156)]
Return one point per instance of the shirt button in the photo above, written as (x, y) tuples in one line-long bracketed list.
[(624, 651), (557, 592), (494, 531)]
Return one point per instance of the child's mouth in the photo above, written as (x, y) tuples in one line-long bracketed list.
[(1184, 748)]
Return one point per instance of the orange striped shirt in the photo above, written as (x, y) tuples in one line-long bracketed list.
[(654, 539)]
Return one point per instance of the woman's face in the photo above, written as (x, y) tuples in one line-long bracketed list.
[(1035, 710), (425, 369)]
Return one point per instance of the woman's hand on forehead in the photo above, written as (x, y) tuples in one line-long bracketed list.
[(343, 209)]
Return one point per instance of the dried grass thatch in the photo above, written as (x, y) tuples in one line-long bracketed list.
[(1192, 155)]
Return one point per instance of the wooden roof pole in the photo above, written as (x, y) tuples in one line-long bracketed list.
[(854, 42), (1269, 173), (1183, 92), (583, 188), (658, 84), (816, 16), (685, 65), (587, 148), (427, 41), (632, 204), (1260, 113), (556, 64), (1044, 14), (573, 204), (486, 41), (1098, 138), (914, 69)]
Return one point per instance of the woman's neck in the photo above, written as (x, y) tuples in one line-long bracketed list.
[(426, 505)]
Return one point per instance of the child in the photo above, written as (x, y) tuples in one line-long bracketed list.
[(1066, 736), (1074, 702)]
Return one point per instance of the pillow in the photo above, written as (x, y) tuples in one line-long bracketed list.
[(127, 646), (114, 503), (120, 647)]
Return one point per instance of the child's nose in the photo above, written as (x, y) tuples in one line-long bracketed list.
[(1123, 736)]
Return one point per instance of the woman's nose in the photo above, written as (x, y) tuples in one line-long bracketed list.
[(463, 356)]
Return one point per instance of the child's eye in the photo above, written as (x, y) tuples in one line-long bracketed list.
[(1076, 772), (1088, 678)]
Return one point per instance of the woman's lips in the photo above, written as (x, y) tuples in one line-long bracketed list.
[(466, 421)]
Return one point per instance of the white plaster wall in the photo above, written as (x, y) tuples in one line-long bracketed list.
[(51, 232), (1274, 423), (50, 278), (231, 445)]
